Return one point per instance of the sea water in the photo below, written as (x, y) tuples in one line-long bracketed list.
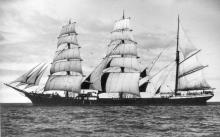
[(25, 120)]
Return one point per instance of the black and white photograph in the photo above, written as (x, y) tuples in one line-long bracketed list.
[(110, 68)]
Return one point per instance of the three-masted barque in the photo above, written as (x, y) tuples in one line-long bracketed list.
[(116, 80)]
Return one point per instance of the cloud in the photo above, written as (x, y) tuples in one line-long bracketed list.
[(95, 25), (155, 40), (6, 72), (1, 37)]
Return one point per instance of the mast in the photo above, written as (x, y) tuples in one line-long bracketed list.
[(189, 68), (68, 47), (177, 59), (122, 73), (122, 68), (66, 70)]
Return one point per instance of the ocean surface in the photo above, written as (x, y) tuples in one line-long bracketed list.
[(25, 120)]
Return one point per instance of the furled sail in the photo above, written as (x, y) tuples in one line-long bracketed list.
[(67, 59), (122, 82)]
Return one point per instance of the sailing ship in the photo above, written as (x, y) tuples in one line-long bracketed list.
[(117, 79)]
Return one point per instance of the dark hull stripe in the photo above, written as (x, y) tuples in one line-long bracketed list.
[(46, 100)]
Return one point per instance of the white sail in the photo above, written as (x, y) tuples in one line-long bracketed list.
[(190, 70), (67, 54), (67, 59), (186, 47), (190, 65), (33, 77), (95, 77), (194, 81), (72, 39), (72, 65), (123, 49), (68, 83), (122, 35), (122, 24), (69, 28), (123, 82), (40, 76), (25, 76), (37, 79), (127, 62)]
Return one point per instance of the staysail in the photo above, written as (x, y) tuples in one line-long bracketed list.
[(93, 81), (67, 59), (32, 77)]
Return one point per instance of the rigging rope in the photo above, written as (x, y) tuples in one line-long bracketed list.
[(161, 70), (157, 57)]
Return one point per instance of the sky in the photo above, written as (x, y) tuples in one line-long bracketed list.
[(29, 31)]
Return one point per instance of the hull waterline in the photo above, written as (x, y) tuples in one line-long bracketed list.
[(47, 100)]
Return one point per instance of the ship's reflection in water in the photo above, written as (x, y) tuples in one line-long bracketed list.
[(28, 121)]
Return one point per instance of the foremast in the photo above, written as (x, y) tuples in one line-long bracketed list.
[(66, 70)]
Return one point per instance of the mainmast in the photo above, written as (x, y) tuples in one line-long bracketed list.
[(122, 73), (177, 59)]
